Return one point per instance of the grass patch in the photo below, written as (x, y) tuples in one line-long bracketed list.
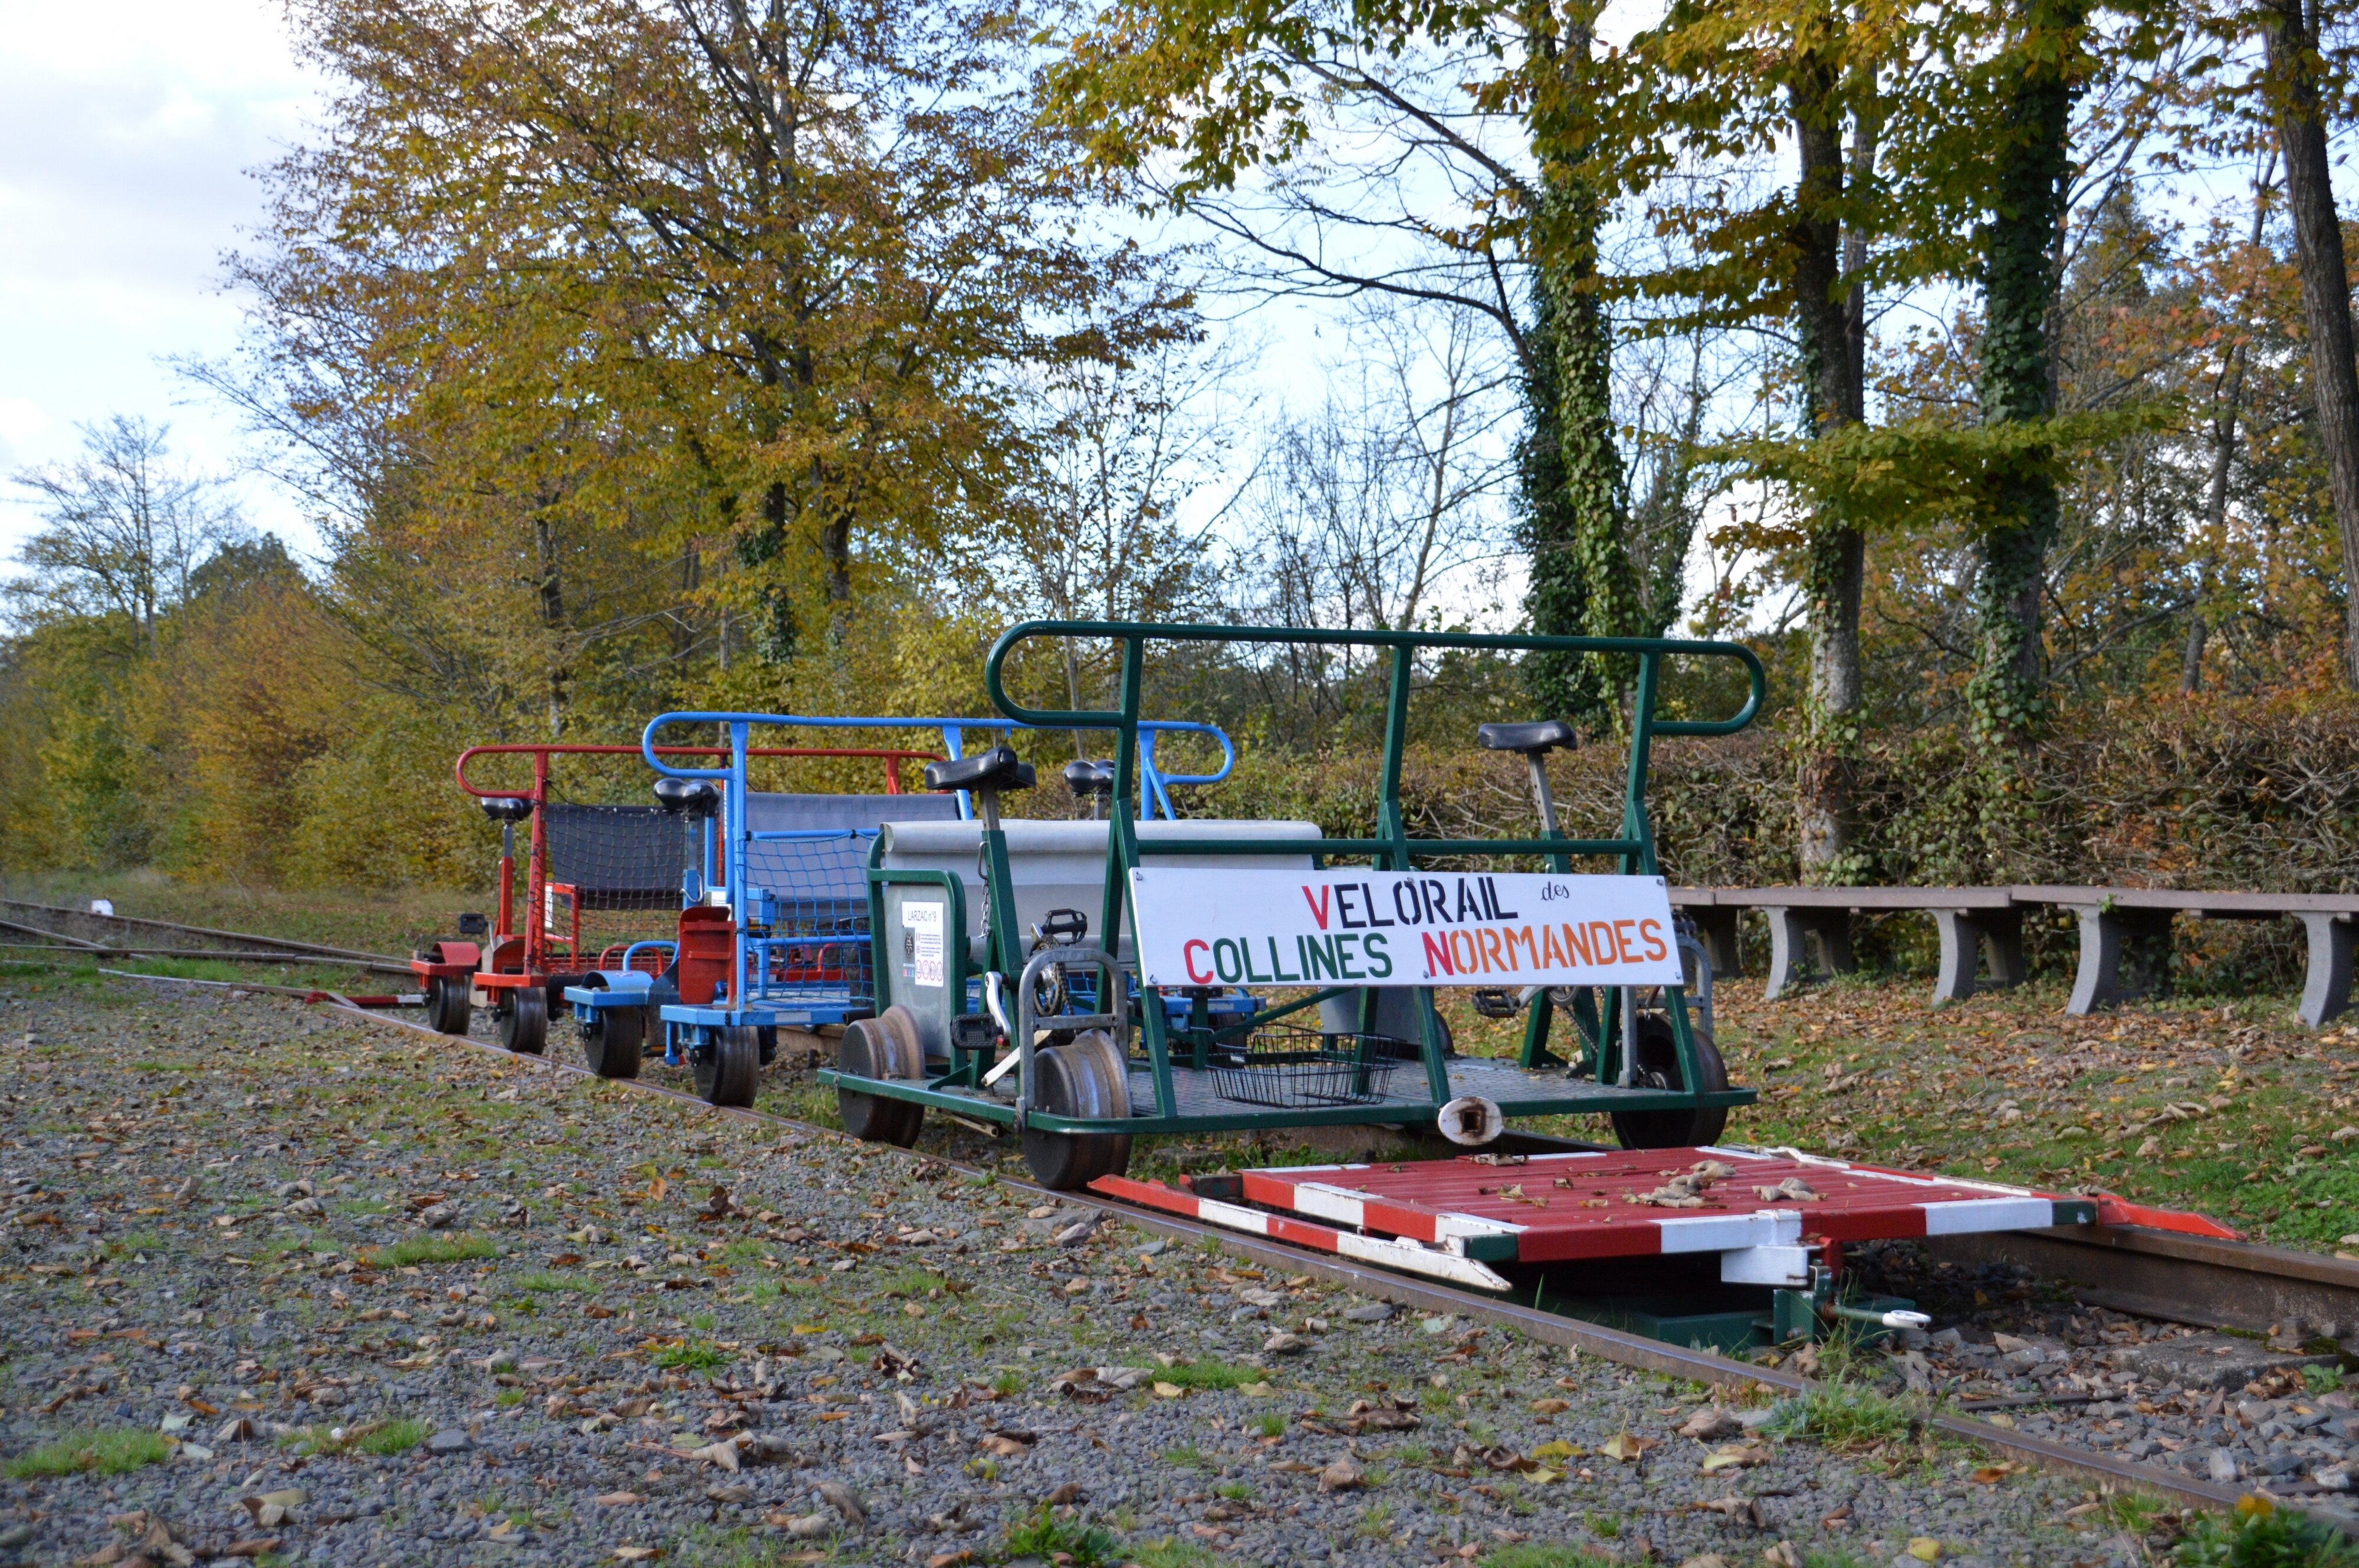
[(543, 1281), (1270, 1425), (109, 1452), (422, 1251), (1236, 1491), (1170, 1553), (1842, 1417), (691, 1355), (1046, 1535), (507, 1397), (1007, 1385), (392, 1437), (1187, 1456), (914, 1283), (1537, 1556), (2262, 1536), (384, 1439), (1217, 1375)]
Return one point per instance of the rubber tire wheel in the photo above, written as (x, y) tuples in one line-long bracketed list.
[(872, 1048), (612, 1038), (769, 1034), (524, 1021), (1657, 1065), (449, 1007), (730, 1069), (1083, 1079)]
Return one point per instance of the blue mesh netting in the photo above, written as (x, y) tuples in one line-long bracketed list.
[(817, 945)]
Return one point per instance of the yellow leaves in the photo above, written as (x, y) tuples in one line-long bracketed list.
[(1626, 1448)]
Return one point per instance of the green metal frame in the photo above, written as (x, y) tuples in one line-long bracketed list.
[(1392, 850)]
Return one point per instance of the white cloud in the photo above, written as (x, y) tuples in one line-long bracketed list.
[(128, 136)]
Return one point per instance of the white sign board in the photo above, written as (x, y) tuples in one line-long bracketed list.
[(924, 922), (1220, 926)]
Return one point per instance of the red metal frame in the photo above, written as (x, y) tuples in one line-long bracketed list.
[(504, 966)]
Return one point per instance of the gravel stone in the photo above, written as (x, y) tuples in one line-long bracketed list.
[(620, 1360)]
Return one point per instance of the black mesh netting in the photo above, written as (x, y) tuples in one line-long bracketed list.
[(618, 857)]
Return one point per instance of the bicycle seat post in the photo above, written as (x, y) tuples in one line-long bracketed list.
[(1535, 741)]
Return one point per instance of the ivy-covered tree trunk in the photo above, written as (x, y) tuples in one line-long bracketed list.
[(2019, 243), (1581, 583), (1835, 557), (2294, 68)]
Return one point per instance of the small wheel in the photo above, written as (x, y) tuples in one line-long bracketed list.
[(872, 1048), (448, 1009), (728, 1065), (524, 1021), (612, 1039), (1657, 1066), (1087, 1078)]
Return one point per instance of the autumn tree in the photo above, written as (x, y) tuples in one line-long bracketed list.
[(739, 293)]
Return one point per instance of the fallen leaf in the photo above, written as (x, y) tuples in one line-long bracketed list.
[(1342, 1476), (1736, 1456), (617, 1499), (638, 1553), (1550, 1407), (1624, 1447), (1711, 1421), (845, 1501), (1924, 1548), (1554, 1451), (1169, 1391), (1992, 1475)]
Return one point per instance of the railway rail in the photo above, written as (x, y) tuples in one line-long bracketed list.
[(255, 947), (2228, 1275)]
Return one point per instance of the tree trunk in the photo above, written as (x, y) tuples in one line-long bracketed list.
[(1835, 554), (549, 588), (775, 631), (1581, 583), (2293, 75), (2019, 266), (1556, 594)]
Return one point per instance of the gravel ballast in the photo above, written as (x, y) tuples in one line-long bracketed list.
[(291, 1286)]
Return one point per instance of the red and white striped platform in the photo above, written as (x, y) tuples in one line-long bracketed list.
[(1454, 1218)]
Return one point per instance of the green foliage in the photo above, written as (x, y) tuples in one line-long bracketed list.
[(1844, 1417), (1209, 1375), (108, 1451), (542, 1280), (1534, 1555), (394, 1437), (1170, 1553), (2262, 1535), (2322, 1379), (1045, 1534), (424, 1251), (692, 1355)]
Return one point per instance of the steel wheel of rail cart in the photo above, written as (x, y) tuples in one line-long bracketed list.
[(1080, 1045), (779, 929)]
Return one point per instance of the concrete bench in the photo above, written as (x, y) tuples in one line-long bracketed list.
[(2125, 935), (2126, 939), (1810, 930)]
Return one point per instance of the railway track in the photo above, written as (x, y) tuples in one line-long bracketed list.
[(89, 933), (2225, 1277)]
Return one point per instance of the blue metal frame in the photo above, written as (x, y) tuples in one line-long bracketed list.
[(808, 1004)]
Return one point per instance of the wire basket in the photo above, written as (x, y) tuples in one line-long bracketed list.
[(1296, 1068)]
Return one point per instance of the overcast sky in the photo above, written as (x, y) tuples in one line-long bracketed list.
[(127, 129)]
